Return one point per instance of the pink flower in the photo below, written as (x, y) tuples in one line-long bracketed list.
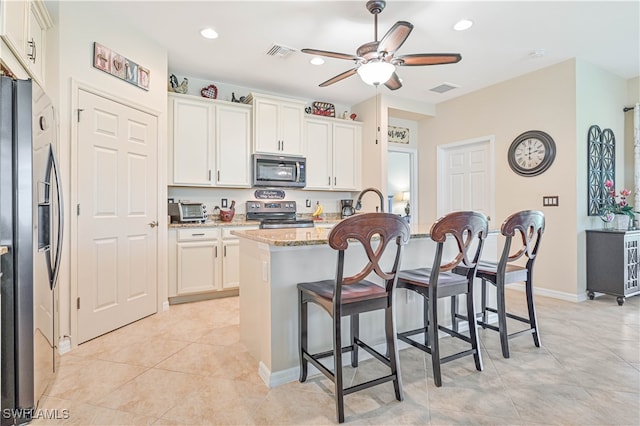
[(608, 183), (625, 192)]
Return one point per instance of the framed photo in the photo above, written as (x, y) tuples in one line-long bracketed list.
[(398, 134)]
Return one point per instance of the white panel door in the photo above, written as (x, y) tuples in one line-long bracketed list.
[(233, 155), (467, 182), (117, 213), (319, 141)]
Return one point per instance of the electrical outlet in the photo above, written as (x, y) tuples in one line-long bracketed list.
[(550, 201), (223, 203), (308, 203)]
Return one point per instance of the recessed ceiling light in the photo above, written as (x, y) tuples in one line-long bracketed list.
[(463, 24), (209, 33), (317, 61)]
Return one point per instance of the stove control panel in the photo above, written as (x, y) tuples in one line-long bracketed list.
[(267, 207)]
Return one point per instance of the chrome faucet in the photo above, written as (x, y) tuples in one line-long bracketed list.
[(364, 191)]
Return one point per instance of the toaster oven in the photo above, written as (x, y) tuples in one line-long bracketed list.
[(187, 211)]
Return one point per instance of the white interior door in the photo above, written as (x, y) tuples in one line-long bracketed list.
[(466, 177), (116, 213)]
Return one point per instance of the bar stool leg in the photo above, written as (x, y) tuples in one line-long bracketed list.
[(433, 337), (302, 336), (533, 322), (454, 312), (337, 368), (355, 333), (425, 320), (483, 313), (392, 348), (473, 332), (502, 317)]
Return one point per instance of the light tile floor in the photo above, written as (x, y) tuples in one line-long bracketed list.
[(187, 366)]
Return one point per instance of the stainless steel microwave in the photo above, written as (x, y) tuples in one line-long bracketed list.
[(279, 171)]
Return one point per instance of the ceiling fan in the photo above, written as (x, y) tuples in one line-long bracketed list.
[(376, 60)]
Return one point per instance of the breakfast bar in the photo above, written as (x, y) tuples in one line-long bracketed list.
[(275, 260)]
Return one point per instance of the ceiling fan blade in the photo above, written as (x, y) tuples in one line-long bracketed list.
[(339, 77), (330, 54), (427, 59), (395, 37), (394, 82)]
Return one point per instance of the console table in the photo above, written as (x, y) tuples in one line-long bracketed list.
[(613, 263)]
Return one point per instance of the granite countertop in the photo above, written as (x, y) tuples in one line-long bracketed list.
[(306, 236), (215, 224), (4, 250)]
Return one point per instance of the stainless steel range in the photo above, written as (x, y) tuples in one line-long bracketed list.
[(276, 214)]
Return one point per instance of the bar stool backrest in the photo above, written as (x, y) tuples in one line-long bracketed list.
[(363, 228), (529, 224)]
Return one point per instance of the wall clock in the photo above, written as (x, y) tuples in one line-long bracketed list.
[(531, 153)]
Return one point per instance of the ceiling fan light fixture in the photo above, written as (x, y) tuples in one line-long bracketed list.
[(376, 72), (317, 60)]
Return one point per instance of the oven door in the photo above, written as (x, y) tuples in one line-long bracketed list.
[(278, 171)]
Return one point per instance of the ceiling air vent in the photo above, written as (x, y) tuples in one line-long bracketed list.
[(444, 87), (280, 51)]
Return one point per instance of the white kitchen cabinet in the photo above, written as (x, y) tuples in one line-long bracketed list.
[(203, 261), (209, 142), (23, 27), (233, 145), (277, 125), (332, 149), (197, 264)]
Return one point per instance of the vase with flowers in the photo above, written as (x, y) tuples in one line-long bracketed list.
[(616, 205)]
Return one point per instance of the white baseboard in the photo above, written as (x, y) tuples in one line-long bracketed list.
[(64, 345), (569, 297), (165, 306)]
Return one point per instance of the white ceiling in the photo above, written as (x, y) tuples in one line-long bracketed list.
[(496, 48)]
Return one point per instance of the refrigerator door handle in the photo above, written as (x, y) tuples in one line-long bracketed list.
[(53, 272)]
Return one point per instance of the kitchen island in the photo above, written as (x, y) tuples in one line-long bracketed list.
[(275, 260)]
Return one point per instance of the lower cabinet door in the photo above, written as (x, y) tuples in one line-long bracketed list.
[(197, 266), (230, 263)]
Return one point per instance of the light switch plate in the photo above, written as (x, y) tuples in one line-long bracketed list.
[(223, 203), (550, 200), (308, 203)]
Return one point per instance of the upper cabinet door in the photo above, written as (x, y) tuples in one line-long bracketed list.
[(267, 118), (292, 115), (192, 137), (278, 125), (233, 146), (319, 142), (346, 156), (14, 25), (36, 41)]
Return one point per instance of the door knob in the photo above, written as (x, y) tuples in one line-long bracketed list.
[(153, 224)]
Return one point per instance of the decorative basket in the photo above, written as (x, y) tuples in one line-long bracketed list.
[(211, 92)]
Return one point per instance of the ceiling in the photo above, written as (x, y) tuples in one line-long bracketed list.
[(498, 47)]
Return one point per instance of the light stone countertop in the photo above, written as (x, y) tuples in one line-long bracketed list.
[(306, 236), (4, 250)]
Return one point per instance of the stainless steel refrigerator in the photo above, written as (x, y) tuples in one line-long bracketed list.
[(31, 225)]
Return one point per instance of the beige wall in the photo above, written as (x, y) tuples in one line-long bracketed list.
[(77, 26), (562, 100)]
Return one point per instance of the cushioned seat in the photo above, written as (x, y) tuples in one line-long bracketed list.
[(353, 295)]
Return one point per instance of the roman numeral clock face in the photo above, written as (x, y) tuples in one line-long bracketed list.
[(531, 153)]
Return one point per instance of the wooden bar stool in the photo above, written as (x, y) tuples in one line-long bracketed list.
[(529, 224), (468, 229), (353, 295)]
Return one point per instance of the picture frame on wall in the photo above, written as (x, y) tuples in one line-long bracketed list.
[(121, 67), (398, 134)]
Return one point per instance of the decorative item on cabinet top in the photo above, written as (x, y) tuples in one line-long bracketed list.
[(211, 92), (323, 108), (178, 88)]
